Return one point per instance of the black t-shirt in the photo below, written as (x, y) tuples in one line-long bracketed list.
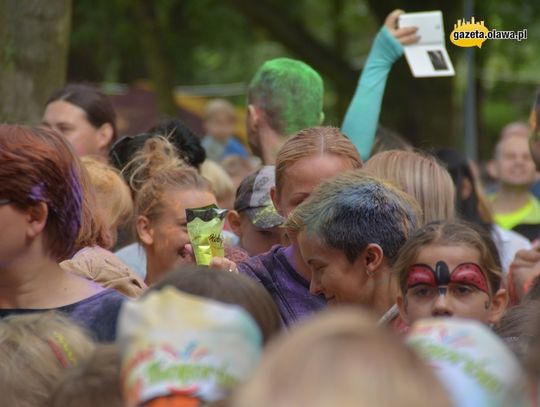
[(98, 313)]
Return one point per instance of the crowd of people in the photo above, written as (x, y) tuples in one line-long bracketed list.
[(357, 269)]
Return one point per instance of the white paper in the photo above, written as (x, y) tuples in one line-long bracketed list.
[(428, 57)]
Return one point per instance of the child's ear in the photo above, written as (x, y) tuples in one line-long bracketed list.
[(233, 218), (402, 305), (499, 302)]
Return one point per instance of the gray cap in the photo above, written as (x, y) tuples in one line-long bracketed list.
[(253, 197)]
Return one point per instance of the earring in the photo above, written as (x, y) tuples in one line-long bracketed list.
[(369, 273)]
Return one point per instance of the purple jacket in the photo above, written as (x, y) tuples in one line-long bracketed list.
[(289, 289)]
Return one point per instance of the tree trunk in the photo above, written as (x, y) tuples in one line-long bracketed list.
[(34, 39), (158, 66)]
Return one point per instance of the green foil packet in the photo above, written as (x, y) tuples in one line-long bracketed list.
[(204, 227)]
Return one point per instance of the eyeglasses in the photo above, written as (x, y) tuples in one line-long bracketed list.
[(5, 202)]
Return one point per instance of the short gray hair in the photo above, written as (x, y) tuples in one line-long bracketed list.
[(354, 209)]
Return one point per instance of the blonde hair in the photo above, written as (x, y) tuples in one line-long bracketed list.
[(314, 141), (94, 230), (156, 170), (217, 106), (114, 196), (94, 383), (421, 177), (221, 183), (36, 350), (341, 358)]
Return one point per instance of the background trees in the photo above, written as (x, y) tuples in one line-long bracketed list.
[(168, 43)]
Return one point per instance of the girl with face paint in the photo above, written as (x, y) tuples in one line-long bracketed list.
[(449, 269)]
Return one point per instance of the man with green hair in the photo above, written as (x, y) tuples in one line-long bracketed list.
[(285, 96)]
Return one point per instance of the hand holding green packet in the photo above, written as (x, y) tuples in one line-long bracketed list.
[(204, 227)]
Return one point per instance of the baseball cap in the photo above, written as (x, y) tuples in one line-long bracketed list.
[(202, 352), (253, 197)]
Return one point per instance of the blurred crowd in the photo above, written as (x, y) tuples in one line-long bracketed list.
[(356, 269)]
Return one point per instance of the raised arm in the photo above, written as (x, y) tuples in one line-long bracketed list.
[(362, 117)]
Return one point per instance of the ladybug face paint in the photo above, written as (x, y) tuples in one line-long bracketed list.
[(429, 281)]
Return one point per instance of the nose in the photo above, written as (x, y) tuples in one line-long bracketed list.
[(442, 307)]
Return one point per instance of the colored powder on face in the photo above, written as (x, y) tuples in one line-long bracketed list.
[(466, 273)]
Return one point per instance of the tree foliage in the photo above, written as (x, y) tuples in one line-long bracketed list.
[(187, 42)]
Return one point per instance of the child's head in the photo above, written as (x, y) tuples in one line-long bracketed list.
[(228, 288), (450, 268), (254, 219), (94, 383), (36, 350), (341, 358), (165, 187), (238, 168), (113, 195), (221, 183), (220, 119)]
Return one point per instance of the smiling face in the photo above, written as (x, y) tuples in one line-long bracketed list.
[(513, 161), (333, 275), (447, 280), (166, 237)]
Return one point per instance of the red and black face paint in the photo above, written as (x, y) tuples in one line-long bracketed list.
[(465, 274)]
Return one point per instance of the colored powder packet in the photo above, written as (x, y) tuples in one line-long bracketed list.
[(204, 227)]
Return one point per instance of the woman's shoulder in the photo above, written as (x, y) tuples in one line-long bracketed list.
[(98, 313)]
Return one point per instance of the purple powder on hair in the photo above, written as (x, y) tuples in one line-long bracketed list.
[(38, 192)]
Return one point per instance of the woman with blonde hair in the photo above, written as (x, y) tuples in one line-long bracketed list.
[(341, 358), (164, 188), (36, 352), (421, 177), (303, 162)]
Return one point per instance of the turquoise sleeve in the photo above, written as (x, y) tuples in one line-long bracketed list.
[(362, 117)]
